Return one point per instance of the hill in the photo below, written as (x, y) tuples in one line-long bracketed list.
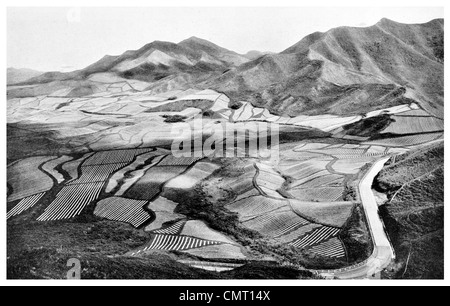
[(414, 213)]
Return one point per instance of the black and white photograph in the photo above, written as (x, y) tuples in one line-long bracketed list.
[(224, 143)]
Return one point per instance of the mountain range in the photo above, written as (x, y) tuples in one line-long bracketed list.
[(346, 70)]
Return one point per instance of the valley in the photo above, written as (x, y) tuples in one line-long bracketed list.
[(191, 161)]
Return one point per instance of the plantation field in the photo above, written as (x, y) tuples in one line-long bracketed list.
[(242, 185), (96, 173), (71, 167), (194, 175), (330, 248), (276, 224), (173, 243), (134, 176), (171, 160), (150, 184), (119, 175), (211, 266), (409, 140), (317, 236), (414, 124), (303, 169), (322, 181), (26, 179), (220, 251), (123, 210), (350, 166), (295, 234), (174, 229), (414, 112), (329, 213), (164, 210), (323, 194), (199, 229), (114, 157), (256, 206), (24, 204)]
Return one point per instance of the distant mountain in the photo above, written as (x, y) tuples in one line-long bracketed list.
[(14, 75), (194, 57), (254, 54), (347, 70)]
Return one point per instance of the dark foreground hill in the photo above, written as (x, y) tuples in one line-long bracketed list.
[(414, 214), (346, 70)]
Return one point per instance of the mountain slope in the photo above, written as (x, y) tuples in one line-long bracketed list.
[(343, 71), (414, 214), (347, 70)]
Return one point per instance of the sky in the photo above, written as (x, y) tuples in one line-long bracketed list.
[(66, 39)]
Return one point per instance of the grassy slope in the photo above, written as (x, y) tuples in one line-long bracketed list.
[(414, 215), (40, 250)]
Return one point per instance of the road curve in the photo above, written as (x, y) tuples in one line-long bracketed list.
[(383, 253)]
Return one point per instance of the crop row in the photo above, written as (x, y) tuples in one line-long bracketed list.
[(114, 156), (315, 237), (406, 125), (174, 229), (171, 160), (123, 210), (276, 224), (330, 248), (407, 140), (96, 173), (175, 243), (71, 200), (255, 206), (325, 180), (24, 204)]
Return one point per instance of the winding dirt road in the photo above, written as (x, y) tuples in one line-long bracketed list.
[(383, 253)]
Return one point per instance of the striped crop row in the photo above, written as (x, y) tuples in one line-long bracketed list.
[(114, 156), (96, 173), (174, 229), (71, 200), (123, 210), (330, 248), (175, 243), (276, 224), (315, 237), (24, 204)]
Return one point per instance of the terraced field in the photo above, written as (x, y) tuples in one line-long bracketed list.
[(194, 175), (24, 204), (173, 229), (123, 210), (414, 124), (256, 206), (276, 224), (315, 237), (174, 243), (71, 200), (150, 184), (164, 210), (330, 248)]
